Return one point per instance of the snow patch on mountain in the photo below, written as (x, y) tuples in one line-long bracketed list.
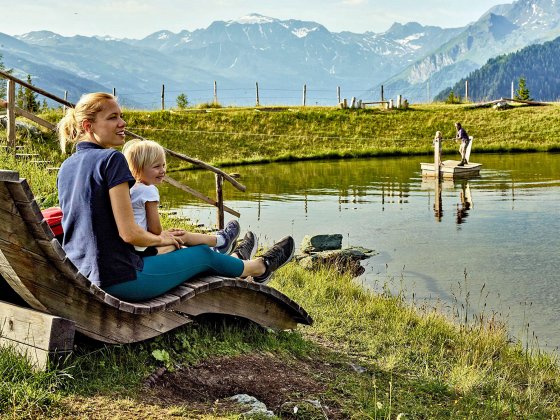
[(303, 32), (252, 19), (408, 41)]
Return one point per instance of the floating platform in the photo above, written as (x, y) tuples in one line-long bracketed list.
[(451, 169)]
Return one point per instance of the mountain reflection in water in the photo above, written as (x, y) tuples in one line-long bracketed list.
[(494, 236)]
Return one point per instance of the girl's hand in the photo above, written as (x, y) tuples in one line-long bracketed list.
[(168, 238)]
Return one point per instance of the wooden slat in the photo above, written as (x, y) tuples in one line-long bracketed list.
[(21, 192), (41, 231), (8, 175), (134, 308)]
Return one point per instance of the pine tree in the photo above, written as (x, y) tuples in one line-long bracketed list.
[(522, 92), (26, 98)]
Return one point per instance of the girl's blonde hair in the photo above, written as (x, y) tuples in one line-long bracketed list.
[(142, 153), (70, 128)]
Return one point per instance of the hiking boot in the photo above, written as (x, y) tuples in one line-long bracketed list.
[(462, 163), (247, 248), (230, 234), (280, 254)]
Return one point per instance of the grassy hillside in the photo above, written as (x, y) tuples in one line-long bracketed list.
[(230, 135)]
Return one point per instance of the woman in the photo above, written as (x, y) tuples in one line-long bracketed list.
[(98, 221)]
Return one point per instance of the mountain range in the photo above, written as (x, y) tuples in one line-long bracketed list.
[(281, 55)]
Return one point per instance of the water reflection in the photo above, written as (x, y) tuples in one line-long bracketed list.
[(464, 204), (507, 244)]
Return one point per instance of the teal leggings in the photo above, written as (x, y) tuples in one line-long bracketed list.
[(162, 273)]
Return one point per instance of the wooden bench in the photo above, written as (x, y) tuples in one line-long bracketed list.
[(36, 267)]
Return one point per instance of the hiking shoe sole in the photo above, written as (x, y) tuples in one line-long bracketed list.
[(276, 257)]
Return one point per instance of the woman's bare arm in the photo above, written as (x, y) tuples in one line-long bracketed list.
[(129, 231)]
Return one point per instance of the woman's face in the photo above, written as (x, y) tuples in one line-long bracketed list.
[(108, 128)]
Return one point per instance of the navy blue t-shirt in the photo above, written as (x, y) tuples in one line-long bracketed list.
[(91, 238)]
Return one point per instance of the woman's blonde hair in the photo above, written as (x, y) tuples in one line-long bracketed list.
[(70, 128), (142, 153)]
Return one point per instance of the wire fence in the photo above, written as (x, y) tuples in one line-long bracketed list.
[(166, 98)]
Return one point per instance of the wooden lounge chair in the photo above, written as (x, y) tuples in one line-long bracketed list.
[(35, 266)]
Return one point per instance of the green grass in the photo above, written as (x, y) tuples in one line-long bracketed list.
[(248, 135), (422, 363), (418, 361)]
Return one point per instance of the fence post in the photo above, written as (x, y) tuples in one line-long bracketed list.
[(163, 97), (258, 102), (512, 92), (382, 97), (220, 200), (466, 91), (215, 93), (64, 107), (304, 94), (114, 92), (338, 94), (11, 114)]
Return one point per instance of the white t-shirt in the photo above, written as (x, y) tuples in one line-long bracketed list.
[(139, 195)]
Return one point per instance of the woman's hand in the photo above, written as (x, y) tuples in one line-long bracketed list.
[(176, 231), (170, 238)]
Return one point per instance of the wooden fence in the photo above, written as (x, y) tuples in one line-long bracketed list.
[(13, 112)]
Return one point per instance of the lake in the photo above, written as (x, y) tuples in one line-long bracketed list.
[(489, 243)]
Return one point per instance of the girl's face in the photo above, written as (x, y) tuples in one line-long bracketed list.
[(108, 128), (153, 174)]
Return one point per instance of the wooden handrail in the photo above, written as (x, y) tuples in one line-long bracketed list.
[(12, 109), (197, 162), (36, 89)]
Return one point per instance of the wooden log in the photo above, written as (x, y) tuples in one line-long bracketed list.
[(194, 192), (34, 118), (38, 336), (35, 89)]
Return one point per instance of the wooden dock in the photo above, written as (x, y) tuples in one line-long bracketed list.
[(451, 169)]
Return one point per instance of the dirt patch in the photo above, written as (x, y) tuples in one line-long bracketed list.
[(281, 384)]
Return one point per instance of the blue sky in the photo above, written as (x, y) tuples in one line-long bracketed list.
[(139, 18)]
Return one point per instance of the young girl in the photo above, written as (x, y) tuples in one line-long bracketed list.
[(146, 160), (99, 227)]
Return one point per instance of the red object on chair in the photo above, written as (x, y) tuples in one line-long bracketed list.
[(53, 216)]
